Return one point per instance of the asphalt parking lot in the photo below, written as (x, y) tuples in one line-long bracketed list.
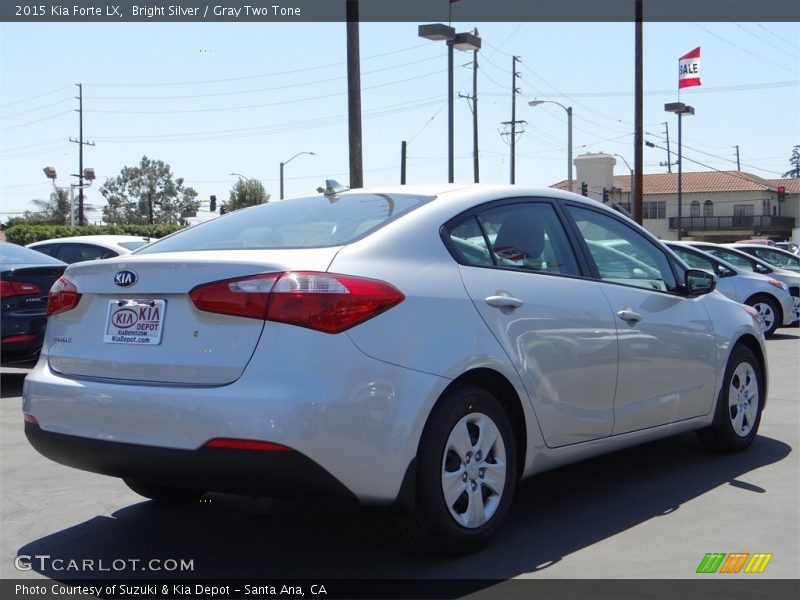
[(651, 512)]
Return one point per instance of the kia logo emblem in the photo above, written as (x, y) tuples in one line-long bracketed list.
[(125, 278)]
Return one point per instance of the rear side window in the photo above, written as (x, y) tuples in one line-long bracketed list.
[(72, 253), (314, 222), (526, 236)]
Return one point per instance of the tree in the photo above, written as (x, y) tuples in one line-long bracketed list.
[(246, 192), (794, 172), (55, 211), (147, 193)]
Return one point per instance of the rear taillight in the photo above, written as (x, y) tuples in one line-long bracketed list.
[(18, 288), (322, 301), (64, 296)]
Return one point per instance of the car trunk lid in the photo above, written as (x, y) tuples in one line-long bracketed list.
[(135, 321)]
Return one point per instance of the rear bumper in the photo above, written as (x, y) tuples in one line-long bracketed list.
[(273, 474), (358, 419)]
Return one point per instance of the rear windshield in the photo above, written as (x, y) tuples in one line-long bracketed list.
[(314, 222), (11, 254)]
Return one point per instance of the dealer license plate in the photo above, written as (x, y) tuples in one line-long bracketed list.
[(133, 321)]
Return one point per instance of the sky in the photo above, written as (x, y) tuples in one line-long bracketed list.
[(211, 99)]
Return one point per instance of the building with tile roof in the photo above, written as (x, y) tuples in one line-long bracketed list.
[(717, 206)]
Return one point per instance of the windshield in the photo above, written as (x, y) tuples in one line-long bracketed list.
[(313, 222)]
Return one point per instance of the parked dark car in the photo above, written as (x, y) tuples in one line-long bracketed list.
[(26, 277)]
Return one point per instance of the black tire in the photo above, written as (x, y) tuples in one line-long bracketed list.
[(451, 528), (742, 388), (768, 308), (163, 493)]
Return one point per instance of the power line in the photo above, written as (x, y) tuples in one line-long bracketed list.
[(766, 60), (25, 112), (29, 98), (66, 112), (316, 82), (262, 75), (252, 106), (671, 92)]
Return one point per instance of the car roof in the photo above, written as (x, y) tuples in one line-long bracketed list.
[(761, 247)]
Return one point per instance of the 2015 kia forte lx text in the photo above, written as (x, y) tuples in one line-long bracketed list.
[(415, 348)]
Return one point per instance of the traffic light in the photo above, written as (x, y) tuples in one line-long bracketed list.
[(584, 188), (213, 204), (781, 194), (605, 195), (222, 210)]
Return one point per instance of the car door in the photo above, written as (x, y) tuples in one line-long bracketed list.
[(667, 350), (525, 280)]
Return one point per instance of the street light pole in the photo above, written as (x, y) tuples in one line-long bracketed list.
[(680, 109), (568, 109), (286, 162), (630, 184), (459, 41), (451, 167)]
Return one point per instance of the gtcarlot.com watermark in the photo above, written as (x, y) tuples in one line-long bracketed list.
[(46, 563)]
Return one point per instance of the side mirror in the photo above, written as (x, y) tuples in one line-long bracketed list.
[(699, 282)]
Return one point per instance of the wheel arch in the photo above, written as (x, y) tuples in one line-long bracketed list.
[(751, 342), (777, 303), (498, 385)]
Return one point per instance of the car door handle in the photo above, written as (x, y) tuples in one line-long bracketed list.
[(504, 302), (629, 316)]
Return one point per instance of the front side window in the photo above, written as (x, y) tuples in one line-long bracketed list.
[(526, 236), (622, 254), (313, 222)]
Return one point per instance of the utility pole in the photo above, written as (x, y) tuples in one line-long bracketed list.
[(81, 144), (403, 151), (513, 122), (738, 164), (354, 96), (475, 160), (638, 133), (473, 99)]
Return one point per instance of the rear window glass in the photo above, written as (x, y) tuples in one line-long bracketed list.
[(17, 255), (313, 222)]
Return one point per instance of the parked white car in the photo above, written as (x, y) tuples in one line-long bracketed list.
[(415, 348), (756, 265), (768, 296), (777, 257), (89, 247)]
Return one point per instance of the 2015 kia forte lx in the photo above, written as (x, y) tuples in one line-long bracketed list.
[(416, 348)]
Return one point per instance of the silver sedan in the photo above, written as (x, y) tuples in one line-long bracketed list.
[(416, 348)]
